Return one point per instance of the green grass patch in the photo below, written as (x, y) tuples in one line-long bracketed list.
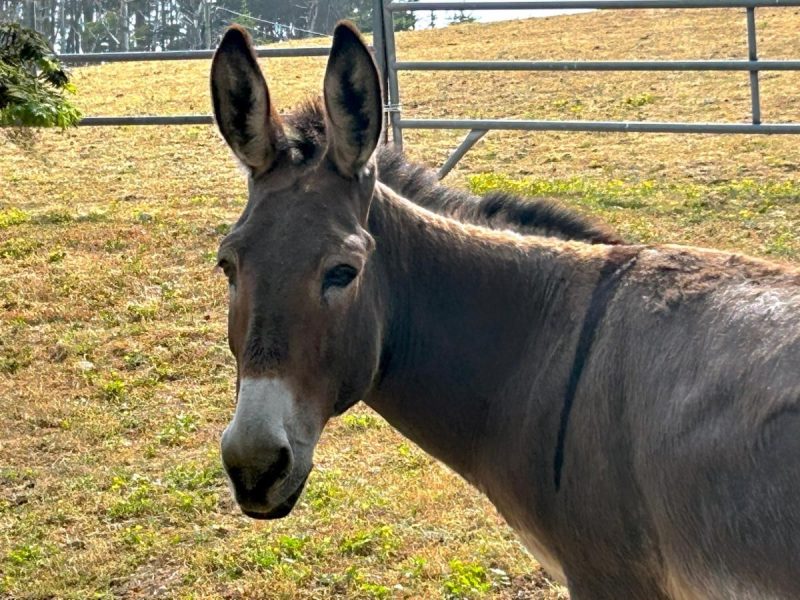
[(378, 541), (193, 488), (361, 421), (17, 248), (13, 216), (639, 100), (286, 557), (115, 245), (704, 214), (138, 536), (177, 431), (136, 496), (466, 580), (142, 311), (13, 358), (760, 197), (114, 389), (357, 584), (324, 491), (411, 458), (57, 255), (56, 216), (193, 477), (93, 216), (24, 555), (613, 193), (784, 244), (222, 229), (15, 476)]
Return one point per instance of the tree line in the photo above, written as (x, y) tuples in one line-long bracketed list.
[(76, 26)]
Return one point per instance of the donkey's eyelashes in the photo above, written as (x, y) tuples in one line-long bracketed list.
[(339, 276)]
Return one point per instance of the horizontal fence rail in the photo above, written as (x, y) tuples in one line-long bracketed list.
[(599, 126), (487, 124), (478, 128), (103, 57), (607, 65), (118, 121)]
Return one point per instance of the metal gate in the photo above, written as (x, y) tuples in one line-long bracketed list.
[(386, 57)]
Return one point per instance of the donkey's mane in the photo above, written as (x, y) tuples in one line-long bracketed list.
[(495, 210)]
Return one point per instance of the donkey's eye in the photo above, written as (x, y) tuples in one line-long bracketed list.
[(226, 268), (339, 276)]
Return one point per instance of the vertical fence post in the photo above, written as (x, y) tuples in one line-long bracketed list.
[(379, 45), (391, 75), (752, 54)]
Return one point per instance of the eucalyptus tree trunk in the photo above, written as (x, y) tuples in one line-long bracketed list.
[(30, 14), (124, 26), (325, 14)]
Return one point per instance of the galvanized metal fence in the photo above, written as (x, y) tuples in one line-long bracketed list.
[(385, 51), (480, 127), (102, 57)]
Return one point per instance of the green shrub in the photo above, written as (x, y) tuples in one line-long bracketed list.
[(33, 82)]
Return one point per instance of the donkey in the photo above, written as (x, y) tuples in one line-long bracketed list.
[(632, 411)]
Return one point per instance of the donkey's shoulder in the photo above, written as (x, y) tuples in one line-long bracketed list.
[(694, 263), (671, 275)]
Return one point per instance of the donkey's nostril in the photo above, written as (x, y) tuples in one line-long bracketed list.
[(283, 465), (255, 474)]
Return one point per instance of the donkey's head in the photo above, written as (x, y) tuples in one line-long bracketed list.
[(302, 322)]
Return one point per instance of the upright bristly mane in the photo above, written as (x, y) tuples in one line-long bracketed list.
[(495, 210)]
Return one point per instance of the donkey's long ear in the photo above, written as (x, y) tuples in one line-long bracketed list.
[(242, 109), (353, 103)]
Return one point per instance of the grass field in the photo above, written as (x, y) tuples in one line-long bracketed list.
[(115, 377)]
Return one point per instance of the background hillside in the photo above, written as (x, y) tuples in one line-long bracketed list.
[(115, 378)]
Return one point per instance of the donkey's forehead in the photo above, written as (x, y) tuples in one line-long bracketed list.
[(312, 210), (298, 188)]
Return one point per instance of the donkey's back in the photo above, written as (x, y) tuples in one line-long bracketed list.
[(697, 379)]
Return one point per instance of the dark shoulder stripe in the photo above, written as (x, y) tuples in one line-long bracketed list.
[(619, 262)]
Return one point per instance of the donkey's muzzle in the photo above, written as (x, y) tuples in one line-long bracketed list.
[(256, 474), (266, 461)]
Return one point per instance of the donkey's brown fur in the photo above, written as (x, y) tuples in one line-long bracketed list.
[(632, 411)]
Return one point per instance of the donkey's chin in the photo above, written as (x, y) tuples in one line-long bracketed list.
[(279, 511)]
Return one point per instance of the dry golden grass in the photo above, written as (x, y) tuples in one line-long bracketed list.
[(115, 378)]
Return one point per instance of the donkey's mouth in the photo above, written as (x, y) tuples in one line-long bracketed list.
[(280, 511)]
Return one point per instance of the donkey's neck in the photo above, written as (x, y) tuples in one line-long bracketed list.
[(467, 310)]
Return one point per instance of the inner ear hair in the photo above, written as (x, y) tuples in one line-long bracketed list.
[(242, 108), (353, 103)]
